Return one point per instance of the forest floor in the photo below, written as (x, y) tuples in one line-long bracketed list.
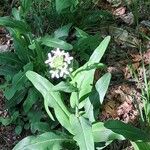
[(124, 61)]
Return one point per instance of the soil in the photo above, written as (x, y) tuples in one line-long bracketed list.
[(7, 133)]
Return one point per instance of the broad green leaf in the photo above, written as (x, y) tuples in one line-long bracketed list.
[(44, 141), (65, 87), (103, 134), (25, 6), (82, 131), (17, 85), (40, 83), (18, 81), (16, 99), (80, 33), (43, 86), (18, 129), (39, 54), (62, 31), (63, 4), (141, 145), (9, 120), (86, 45), (21, 47), (10, 58), (51, 98), (40, 127), (84, 79), (91, 105), (5, 121), (60, 110), (56, 43), (99, 52), (16, 13), (88, 67), (128, 131), (102, 86), (35, 116), (8, 22), (8, 70), (30, 100), (89, 110)]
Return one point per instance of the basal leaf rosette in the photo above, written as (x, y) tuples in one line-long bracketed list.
[(59, 62)]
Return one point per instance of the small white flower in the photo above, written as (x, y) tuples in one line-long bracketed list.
[(59, 63), (70, 69), (49, 59), (64, 71), (57, 52), (54, 73), (68, 58)]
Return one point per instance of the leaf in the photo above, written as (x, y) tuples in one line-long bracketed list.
[(9, 58), (56, 43), (103, 134), (65, 87), (17, 85), (63, 4), (8, 70), (16, 99), (62, 31), (21, 47), (102, 86), (88, 67), (141, 145), (39, 54), (25, 5), (51, 99), (18, 129), (40, 127), (40, 83), (84, 79), (8, 22), (82, 131), (89, 110), (86, 45), (16, 14), (43, 86), (9, 120), (91, 105), (30, 100), (5, 121), (127, 130), (100, 50), (18, 81), (61, 113), (35, 116), (80, 33), (44, 141)]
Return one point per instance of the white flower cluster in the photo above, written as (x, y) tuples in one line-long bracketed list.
[(59, 62)]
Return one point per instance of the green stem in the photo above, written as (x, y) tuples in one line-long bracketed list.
[(77, 102)]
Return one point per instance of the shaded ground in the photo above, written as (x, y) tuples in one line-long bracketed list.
[(7, 133), (8, 137)]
